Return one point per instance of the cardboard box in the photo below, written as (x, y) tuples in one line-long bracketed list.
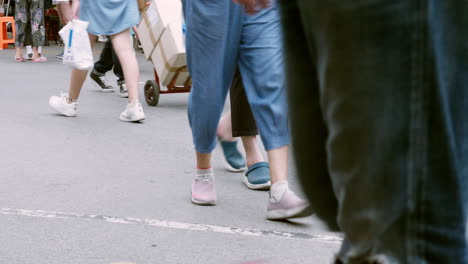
[(155, 19), (169, 57), (147, 38)]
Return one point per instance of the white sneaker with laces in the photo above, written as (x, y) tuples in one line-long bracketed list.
[(62, 106), (133, 112)]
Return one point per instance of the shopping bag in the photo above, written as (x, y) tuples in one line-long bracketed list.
[(77, 53)]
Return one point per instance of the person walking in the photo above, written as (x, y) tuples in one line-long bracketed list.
[(378, 94), (214, 36), (30, 29), (240, 122), (111, 18)]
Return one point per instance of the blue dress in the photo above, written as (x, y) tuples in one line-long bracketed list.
[(109, 17)]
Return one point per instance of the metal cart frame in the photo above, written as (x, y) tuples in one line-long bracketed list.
[(153, 88)]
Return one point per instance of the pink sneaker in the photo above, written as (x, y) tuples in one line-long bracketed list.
[(289, 206), (203, 190)]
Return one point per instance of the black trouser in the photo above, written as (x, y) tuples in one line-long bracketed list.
[(243, 121), (109, 60)]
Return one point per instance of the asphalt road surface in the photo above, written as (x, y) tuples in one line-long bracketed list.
[(93, 189)]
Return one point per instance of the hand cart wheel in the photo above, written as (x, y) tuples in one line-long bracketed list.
[(151, 92)]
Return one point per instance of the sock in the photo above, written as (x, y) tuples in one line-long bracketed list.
[(39, 50), (208, 171), (69, 100), (29, 49), (133, 102), (278, 189)]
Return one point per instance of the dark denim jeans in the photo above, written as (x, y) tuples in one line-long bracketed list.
[(378, 95), (109, 60)]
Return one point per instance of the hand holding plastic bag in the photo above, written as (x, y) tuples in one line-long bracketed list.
[(77, 53)]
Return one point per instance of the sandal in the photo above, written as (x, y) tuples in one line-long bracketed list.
[(40, 59), (20, 59)]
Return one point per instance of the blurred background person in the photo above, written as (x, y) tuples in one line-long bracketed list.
[(65, 13), (378, 95), (30, 28), (111, 18)]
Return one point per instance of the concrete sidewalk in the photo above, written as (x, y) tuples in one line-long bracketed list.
[(93, 189)]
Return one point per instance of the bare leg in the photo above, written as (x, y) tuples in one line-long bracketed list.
[(252, 152), (278, 159), (126, 54), (65, 13), (203, 160), (225, 128), (78, 77), (35, 53), (19, 53)]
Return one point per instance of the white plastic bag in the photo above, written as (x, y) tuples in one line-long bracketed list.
[(77, 53)]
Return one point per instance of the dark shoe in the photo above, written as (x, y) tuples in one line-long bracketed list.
[(257, 176), (101, 82), (235, 162), (123, 88), (59, 56)]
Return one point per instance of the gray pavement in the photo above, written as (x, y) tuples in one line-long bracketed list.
[(93, 189)]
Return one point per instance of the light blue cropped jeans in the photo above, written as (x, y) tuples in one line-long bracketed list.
[(221, 37)]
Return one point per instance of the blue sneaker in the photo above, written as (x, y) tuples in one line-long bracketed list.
[(257, 176), (59, 56), (234, 159)]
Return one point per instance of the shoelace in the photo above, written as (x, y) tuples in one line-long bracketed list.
[(104, 80), (204, 178)]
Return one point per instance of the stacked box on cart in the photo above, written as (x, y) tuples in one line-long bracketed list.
[(169, 57), (145, 34), (155, 19)]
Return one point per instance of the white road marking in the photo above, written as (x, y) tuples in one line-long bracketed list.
[(171, 224)]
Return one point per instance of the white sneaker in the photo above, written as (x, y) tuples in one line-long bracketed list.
[(133, 112), (60, 104)]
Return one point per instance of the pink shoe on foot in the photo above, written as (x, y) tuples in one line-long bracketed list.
[(284, 204), (203, 191)]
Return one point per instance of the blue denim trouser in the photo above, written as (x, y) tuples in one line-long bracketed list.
[(379, 108), (220, 37)]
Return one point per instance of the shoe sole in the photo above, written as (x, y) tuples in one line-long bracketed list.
[(130, 120), (124, 95), (262, 186), (232, 169), (283, 214), (100, 88), (197, 202), (62, 113)]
